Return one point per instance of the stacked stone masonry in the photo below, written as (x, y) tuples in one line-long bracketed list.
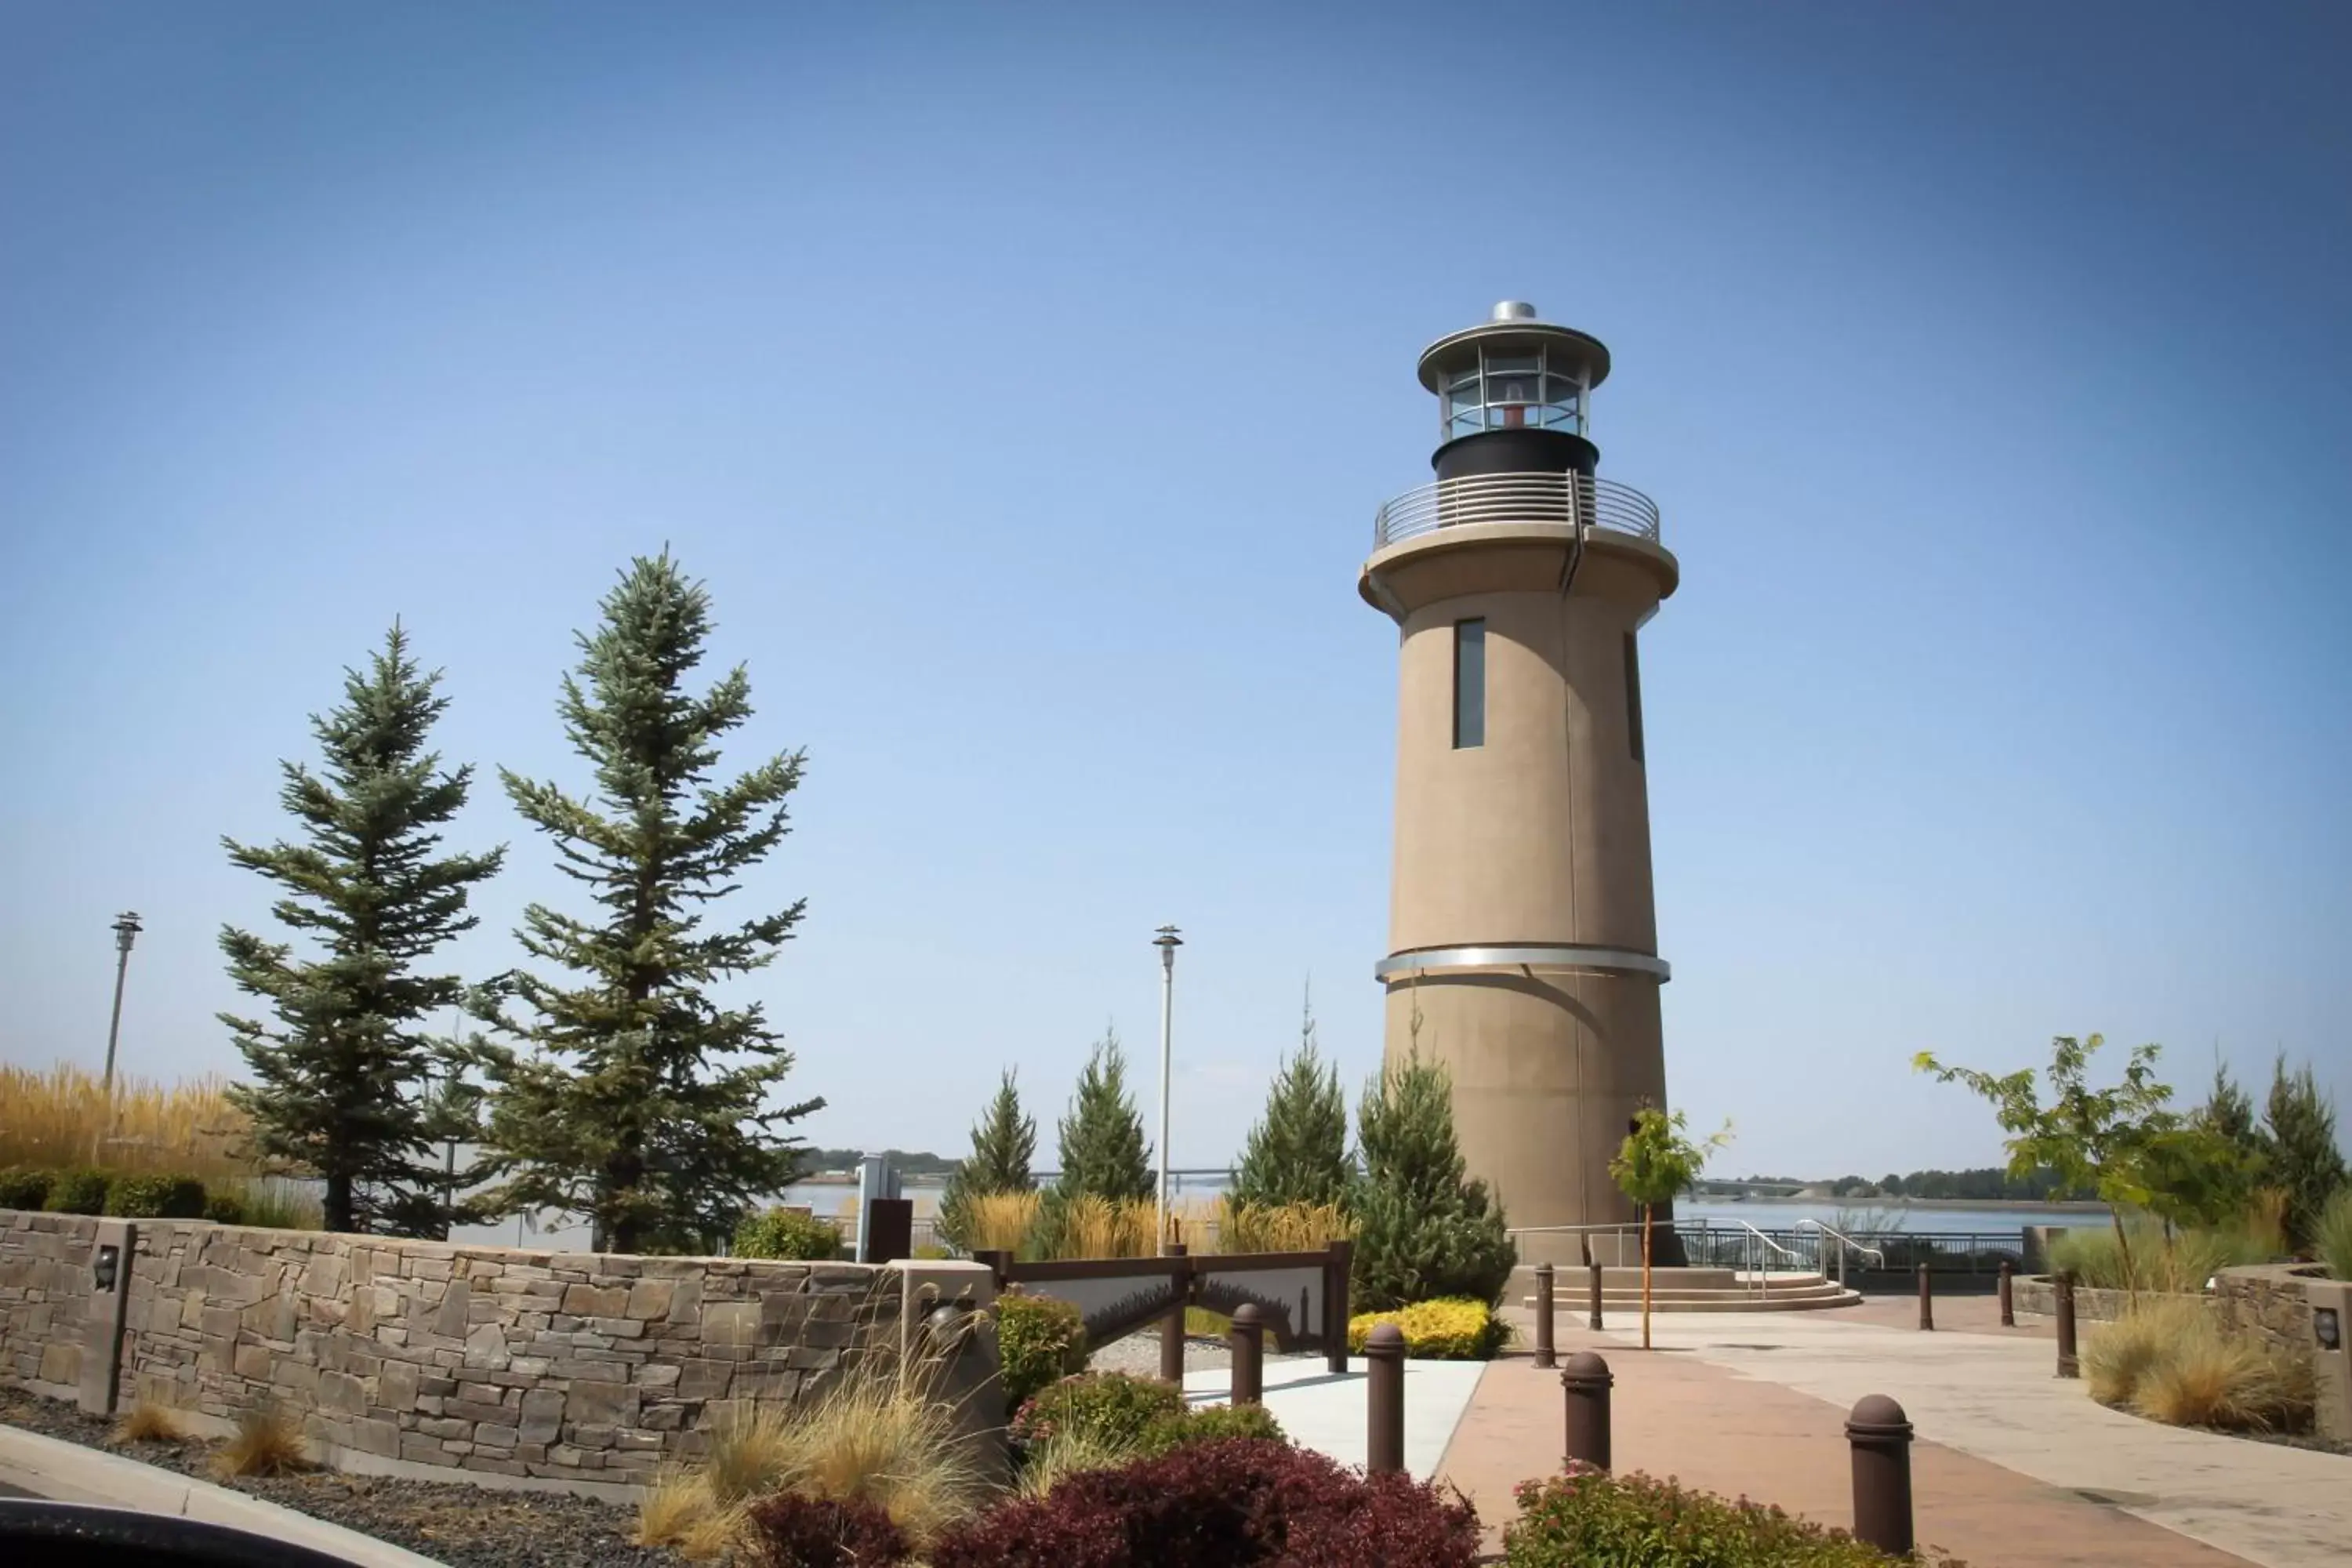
[(576, 1366), (2263, 1301)]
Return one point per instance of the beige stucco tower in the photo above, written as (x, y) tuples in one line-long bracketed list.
[(1522, 948)]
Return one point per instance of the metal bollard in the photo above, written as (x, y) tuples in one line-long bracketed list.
[(1384, 1399), (1586, 1382), (2008, 1302), (2069, 1366), (1926, 1299), (1248, 1342), (1546, 1356), (1880, 1435), (1172, 1327), (1595, 1324)]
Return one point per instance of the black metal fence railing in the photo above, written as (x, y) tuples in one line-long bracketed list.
[(1891, 1252)]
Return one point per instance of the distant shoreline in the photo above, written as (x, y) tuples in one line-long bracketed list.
[(2032, 1206)]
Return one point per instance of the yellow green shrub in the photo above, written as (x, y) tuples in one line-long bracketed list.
[(1454, 1329)]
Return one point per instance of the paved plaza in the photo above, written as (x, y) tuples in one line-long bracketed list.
[(2012, 1466)]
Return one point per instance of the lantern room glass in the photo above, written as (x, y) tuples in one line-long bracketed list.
[(1515, 391)]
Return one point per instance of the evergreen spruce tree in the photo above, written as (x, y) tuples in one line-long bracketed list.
[(2299, 1128), (645, 1106), (2229, 1110), (1298, 1152), (1003, 1142), (1103, 1148), (1424, 1229), (339, 1087)]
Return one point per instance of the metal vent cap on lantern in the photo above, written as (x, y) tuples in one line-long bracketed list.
[(1514, 311)]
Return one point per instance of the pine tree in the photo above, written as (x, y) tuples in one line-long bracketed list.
[(2299, 1124), (2229, 1110), (1003, 1142), (340, 1080), (1103, 1148), (645, 1106), (1298, 1152), (1424, 1229)]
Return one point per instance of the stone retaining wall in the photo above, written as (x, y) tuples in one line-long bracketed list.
[(572, 1366), (2033, 1295), (44, 1300), (2267, 1301)]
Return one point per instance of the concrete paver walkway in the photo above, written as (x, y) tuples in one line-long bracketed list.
[(1996, 1398), (1675, 1415), (1326, 1411)]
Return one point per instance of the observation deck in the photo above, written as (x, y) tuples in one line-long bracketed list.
[(1571, 499)]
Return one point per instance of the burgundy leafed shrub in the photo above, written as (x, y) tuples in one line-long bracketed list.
[(1214, 1505), (796, 1531)]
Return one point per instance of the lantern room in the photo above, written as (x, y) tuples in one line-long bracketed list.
[(1514, 394)]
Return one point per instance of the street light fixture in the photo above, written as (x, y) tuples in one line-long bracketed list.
[(126, 931), (1167, 942)]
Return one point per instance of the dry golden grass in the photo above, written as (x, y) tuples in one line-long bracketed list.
[(1283, 1227), (267, 1442), (148, 1423), (2208, 1378), (1070, 1454), (1197, 1223), (2117, 1355), (59, 1119), (2172, 1361), (1003, 1221), (1094, 1227), (879, 1435)]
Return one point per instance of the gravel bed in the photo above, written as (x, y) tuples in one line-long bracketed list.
[(1138, 1354), (453, 1522)]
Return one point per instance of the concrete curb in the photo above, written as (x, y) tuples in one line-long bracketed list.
[(68, 1472)]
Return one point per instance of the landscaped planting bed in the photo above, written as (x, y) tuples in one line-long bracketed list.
[(462, 1525)]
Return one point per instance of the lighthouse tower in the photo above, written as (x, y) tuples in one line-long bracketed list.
[(1523, 940)]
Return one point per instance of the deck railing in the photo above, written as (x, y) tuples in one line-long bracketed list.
[(1570, 499)]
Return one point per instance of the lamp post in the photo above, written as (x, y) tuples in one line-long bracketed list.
[(1167, 942), (126, 931)]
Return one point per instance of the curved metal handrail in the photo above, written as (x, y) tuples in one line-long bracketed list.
[(1575, 499), (1847, 1244), (1861, 1246), (1764, 1264)]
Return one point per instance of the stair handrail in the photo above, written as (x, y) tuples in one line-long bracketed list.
[(1863, 1248), (1764, 1270)]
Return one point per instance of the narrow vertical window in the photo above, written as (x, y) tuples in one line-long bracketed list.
[(1633, 696), (1469, 683)]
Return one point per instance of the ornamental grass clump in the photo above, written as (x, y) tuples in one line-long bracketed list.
[(2332, 1234), (65, 1116), (1095, 1227), (1587, 1517), (2171, 1360), (1282, 1227), (1001, 1221), (880, 1437), (149, 1423), (267, 1442)]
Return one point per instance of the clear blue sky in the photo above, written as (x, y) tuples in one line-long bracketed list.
[(1023, 385)]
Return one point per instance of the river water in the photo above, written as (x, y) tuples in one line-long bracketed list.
[(1857, 1219)]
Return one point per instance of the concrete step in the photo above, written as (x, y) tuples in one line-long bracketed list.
[(1615, 1309), (1688, 1290)]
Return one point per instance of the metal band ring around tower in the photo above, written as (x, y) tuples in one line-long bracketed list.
[(1570, 957)]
